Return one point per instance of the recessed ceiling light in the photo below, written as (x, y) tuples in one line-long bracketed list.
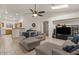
[(6, 12), (16, 14), (10, 16), (59, 6), (0, 16), (6, 17)]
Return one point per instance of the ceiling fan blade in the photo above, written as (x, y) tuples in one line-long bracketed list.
[(41, 12), (31, 10), (40, 15), (32, 16)]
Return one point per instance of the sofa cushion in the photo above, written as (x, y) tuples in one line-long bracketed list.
[(57, 51), (71, 48), (33, 34), (25, 34), (75, 39), (68, 48), (46, 48), (75, 48)]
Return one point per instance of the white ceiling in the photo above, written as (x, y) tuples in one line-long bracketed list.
[(24, 8), (21, 9)]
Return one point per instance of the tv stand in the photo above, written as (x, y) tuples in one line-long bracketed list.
[(74, 31), (61, 36)]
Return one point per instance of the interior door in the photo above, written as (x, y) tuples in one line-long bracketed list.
[(45, 27)]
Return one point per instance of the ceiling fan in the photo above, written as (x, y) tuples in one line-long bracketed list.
[(35, 12)]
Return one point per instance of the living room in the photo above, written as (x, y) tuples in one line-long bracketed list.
[(28, 29)]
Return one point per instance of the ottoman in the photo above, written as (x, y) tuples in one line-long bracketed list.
[(30, 43)]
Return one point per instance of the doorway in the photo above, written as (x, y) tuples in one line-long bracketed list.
[(45, 27)]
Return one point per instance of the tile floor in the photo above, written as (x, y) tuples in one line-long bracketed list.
[(10, 46)]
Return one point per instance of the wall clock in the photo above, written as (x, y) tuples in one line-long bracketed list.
[(33, 24)]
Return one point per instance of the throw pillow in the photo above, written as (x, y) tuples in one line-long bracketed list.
[(75, 39), (71, 48)]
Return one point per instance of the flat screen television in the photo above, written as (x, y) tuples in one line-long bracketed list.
[(63, 30)]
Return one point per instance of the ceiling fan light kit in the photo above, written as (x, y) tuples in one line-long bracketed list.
[(35, 12), (35, 15)]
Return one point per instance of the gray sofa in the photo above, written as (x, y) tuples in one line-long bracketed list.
[(30, 43), (53, 49)]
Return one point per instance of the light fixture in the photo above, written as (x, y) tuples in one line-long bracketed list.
[(0, 16), (60, 6), (6, 12), (10, 16), (35, 15), (6, 17), (16, 14)]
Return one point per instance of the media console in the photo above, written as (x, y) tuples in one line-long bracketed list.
[(61, 36), (63, 32)]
